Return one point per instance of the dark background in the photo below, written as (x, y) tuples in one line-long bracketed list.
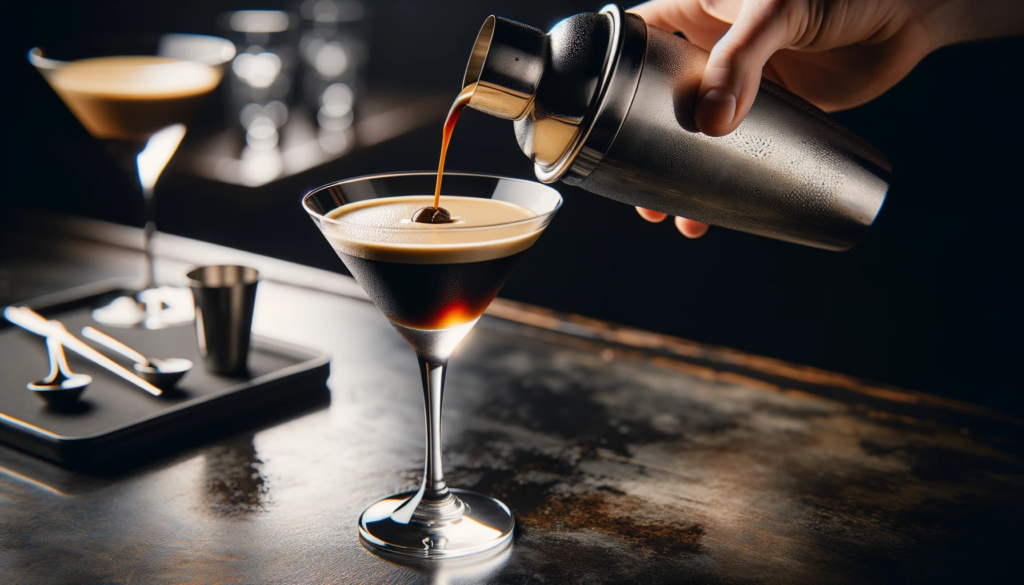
[(928, 301)]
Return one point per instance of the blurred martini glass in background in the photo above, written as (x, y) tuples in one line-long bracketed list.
[(135, 95)]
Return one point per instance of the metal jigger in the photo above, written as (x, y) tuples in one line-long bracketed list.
[(225, 297)]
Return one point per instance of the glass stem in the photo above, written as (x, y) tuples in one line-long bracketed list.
[(126, 153), (149, 231), (433, 504), (433, 374)]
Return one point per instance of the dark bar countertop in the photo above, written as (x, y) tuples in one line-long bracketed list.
[(626, 457)]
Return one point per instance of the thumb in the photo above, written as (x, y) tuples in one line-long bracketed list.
[(733, 73)]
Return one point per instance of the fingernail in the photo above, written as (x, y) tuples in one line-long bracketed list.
[(715, 110)]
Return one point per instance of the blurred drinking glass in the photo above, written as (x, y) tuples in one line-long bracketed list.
[(260, 89), (333, 50)]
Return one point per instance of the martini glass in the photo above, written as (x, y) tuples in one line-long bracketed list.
[(433, 282), (135, 95)]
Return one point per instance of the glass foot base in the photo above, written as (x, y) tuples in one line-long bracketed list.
[(485, 524), (153, 308)]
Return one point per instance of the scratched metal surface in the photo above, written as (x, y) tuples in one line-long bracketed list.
[(619, 465)]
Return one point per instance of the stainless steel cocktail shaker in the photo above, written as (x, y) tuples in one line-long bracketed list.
[(606, 102)]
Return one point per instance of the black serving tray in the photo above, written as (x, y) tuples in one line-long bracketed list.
[(116, 421)]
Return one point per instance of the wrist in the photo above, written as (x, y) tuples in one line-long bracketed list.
[(938, 18), (949, 22)]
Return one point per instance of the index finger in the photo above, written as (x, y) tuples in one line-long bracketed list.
[(700, 26)]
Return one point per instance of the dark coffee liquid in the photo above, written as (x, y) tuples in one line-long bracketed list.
[(432, 296)]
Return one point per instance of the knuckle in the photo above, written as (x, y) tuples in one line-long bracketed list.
[(716, 8), (729, 47), (766, 25), (790, 17)]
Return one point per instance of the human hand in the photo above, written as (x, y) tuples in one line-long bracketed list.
[(836, 54)]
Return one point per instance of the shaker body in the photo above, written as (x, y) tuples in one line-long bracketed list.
[(788, 172), (606, 102)]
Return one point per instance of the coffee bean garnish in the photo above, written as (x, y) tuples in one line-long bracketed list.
[(423, 215), (431, 215), (441, 216)]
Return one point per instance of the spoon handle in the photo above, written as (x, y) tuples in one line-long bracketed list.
[(56, 350), (57, 363), (112, 344), (31, 321)]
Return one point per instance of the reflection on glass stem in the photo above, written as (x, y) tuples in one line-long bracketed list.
[(151, 162), (158, 152)]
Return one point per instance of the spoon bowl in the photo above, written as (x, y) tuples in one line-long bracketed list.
[(60, 393), (163, 374), (62, 387)]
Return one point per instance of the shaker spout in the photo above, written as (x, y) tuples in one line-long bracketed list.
[(506, 65)]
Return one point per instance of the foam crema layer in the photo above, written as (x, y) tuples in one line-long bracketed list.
[(131, 98), (135, 77), (481, 229)]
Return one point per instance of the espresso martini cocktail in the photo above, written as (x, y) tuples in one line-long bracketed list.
[(428, 279), (135, 96), (433, 281)]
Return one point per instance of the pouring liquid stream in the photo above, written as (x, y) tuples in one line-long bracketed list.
[(449, 126)]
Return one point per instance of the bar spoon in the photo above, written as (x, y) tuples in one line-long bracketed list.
[(29, 320), (61, 387), (162, 373)]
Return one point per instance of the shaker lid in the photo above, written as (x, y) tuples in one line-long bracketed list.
[(610, 103), (568, 90)]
